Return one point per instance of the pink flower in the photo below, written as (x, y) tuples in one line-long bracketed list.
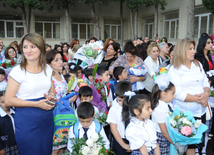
[(157, 41), (186, 130)]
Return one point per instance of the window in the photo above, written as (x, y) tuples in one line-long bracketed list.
[(11, 26), (112, 29), (203, 22), (82, 28), (149, 27), (171, 25), (48, 27)]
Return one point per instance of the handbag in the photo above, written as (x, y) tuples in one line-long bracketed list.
[(208, 113)]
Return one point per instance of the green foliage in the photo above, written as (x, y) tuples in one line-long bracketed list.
[(209, 5), (134, 5), (65, 4), (93, 2), (33, 4), (163, 3)]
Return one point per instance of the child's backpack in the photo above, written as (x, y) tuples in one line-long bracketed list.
[(64, 118), (76, 130)]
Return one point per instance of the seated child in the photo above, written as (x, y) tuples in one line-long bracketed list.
[(86, 126), (120, 143), (89, 74), (3, 83), (7, 129), (103, 72), (119, 74)]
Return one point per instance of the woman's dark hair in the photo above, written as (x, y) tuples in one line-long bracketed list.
[(118, 71), (93, 38), (115, 47), (136, 102), (122, 87), (142, 50), (2, 71), (6, 54), (66, 77), (130, 48), (85, 110), (74, 41), (156, 94), (164, 39), (85, 91), (202, 43), (50, 55)]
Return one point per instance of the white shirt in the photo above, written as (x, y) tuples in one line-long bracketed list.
[(3, 85), (140, 133), (32, 85), (109, 98), (3, 114), (160, 113), (188, 81), (90, 132), (152, 67), (115, 117)]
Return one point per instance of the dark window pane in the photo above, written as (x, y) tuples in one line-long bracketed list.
[(2, 30), (74, 31), (39, 28), (10, 29), (19, 32)]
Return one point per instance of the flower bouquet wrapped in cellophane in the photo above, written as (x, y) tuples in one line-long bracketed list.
[(184, 129), (91, 53)]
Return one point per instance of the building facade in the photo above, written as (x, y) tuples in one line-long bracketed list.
[(172, 22)]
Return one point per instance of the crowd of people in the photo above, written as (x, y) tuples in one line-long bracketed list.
[(34, 77)]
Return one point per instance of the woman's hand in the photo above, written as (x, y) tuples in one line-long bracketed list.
[(72, 99), (50, 97), (127, 147), (42, 104), (203, 97), (134, 79), (2, 152)]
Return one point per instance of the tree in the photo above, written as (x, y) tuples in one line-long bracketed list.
[(95, 16), (65, 4), (209, 5), (31, 4), (134, 6), (156, 3), (191, 20)]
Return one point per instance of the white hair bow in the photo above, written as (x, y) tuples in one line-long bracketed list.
[(162, 81), (72, 66), (130, 94), (210, 73)]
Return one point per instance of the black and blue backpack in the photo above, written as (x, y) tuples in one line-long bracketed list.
[(64, 118)]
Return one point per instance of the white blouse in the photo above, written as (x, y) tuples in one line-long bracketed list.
[(32, 85), (140, 133), (188, 81), (152, 67)]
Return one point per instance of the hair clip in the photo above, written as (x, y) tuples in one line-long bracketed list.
[(130, 94), (72, 66), (162, 81)]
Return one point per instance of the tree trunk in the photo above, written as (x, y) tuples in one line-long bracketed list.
[(29, 20), (132, 27), (191, 19), (135, 23), (156, 22), (121, 22), (67, 25), (24, 18), (96, 23)]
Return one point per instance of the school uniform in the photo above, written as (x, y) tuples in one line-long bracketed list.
[(159, 116), (115, 117), (141, 133), (7, 133), (91, 130)]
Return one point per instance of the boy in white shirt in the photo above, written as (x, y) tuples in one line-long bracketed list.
[(3, 83), (86, 125), (117, 126)]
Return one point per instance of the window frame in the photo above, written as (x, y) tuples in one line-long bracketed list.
[(78, 29), (117, 34), (170, 21), (43, 28), (149, 24), (14, 27), (199, 22)]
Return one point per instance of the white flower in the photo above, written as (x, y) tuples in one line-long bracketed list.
[(90, 142), (198, 123), (94, 137), (185, 121), (85, 150), (172, 122), (95, 152), (98, 146)]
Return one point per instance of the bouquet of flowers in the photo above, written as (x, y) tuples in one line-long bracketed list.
[(91, 53), (93, 146), (137, 70), (160, 71), (102, 117), (8, 65), (184, 129), (158, 41), (72, 83)]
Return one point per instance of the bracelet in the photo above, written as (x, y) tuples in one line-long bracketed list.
[(52, 94)]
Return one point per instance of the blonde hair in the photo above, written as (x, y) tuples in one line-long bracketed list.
[(179, 55), (151, 45), (38, 41)]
